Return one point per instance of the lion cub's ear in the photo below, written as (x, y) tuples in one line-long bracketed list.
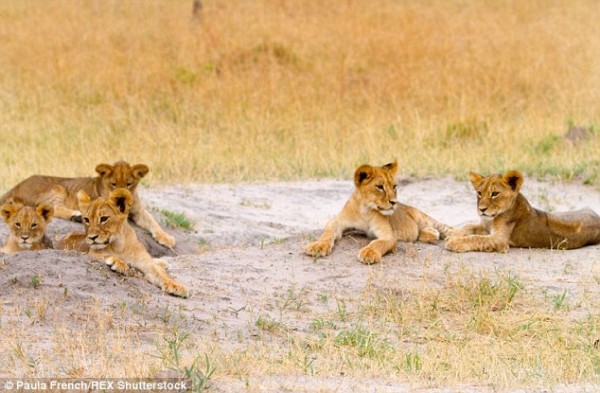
[(8, 210), (104, 170), (363, 174), (84, 201), (475, 179), (121, 199), (392, 167), (45, 211), (514, 179), (139, 170)]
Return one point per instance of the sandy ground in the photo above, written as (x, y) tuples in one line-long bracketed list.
[(245, 250)]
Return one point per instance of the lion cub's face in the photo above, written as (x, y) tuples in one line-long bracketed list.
[(377, 187), (104, 217), (496, 194), (121, 175), (27, 224)]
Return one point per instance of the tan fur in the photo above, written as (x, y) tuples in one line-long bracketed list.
[(374, 209), (27, 226), (61, 194), (109, 237), (507, 220)]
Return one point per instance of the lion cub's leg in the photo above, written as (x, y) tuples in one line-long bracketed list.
[(73, 241), (373, 251), (154, 271), (145, 220), (486, 243), (385, 241), (429, 235), (332, 232), (471, 229), (56, 197)]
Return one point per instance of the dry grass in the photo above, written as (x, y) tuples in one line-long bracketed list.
[(474, 329), (296, 89)]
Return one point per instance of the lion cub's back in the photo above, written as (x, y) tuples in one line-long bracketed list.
[(36, 189)]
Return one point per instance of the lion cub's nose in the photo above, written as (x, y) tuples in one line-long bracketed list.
[(24, 237), (483, 209), (93, 237)]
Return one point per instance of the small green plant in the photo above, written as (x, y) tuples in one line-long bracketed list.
[(198, 376), (36, 281), (320, 323), (202, 242), (341, 309), (366, 343), (177, 220), (268, 324), (323, 297), (413, 362), (560, 300)]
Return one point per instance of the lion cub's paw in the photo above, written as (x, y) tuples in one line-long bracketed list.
[(318, 249), (117, 265), (162, 263), (164, 238), (369, 255), (457, 244), (175, 289), (429, 235)]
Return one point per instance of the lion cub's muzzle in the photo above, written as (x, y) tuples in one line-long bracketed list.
[(26, 241), (96, 243), (390, 210)]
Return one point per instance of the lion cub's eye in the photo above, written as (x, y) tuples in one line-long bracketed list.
[(103, 219), (129, 184), (86, 220), (495, 194), (379, 187), (113, 184), (478, 194), (395, 187), (34, 225), (18, 225)]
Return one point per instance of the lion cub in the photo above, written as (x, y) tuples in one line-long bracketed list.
[(507, 219), (27, 226), (61, 194), (374, 209), (109, 237)]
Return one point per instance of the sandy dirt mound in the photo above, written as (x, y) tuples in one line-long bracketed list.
[(246, 250)]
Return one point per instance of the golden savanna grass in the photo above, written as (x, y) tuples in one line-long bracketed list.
[(297, 89)]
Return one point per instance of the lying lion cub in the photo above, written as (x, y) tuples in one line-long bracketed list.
[(61, 193), (109, 237), (374, 209), (27, 226), (507, 219)]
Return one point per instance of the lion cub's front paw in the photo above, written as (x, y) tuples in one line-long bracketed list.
[(456, 244), (117, 265), (164, 238), (369, 255), (318, 249), (175, 289)]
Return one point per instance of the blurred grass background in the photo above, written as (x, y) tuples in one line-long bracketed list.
[(281, 89)]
